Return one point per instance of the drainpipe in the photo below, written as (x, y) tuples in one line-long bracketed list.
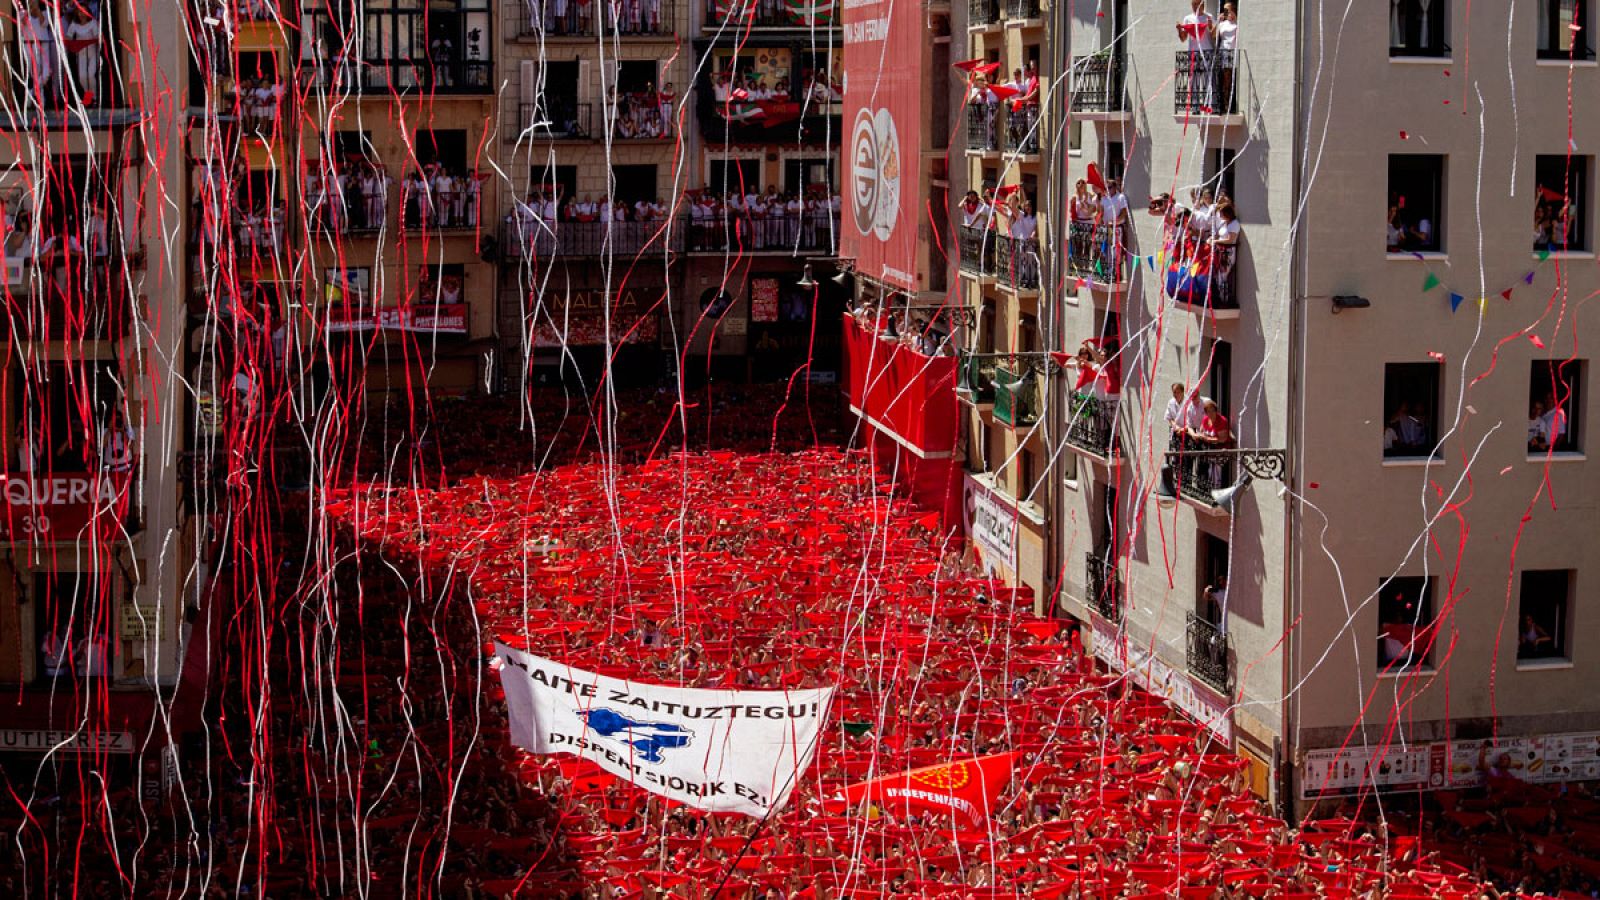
[(1286, 746)]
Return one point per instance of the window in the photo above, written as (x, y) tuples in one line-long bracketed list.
[(1111, 160), (634, 183), (1027, 333), (447, 46), (1075, 136), (561, 181), (1219, 172), (801, 175), (1405, 623), (1213, 566), (442, 285), (1542, 614), (1416, 203), (1410, 409), (1104, 526), (994, 448), (1219, 375), (735, 175), (1563, 29), (1555, 399), (1561, 203), (448, 148), (1417, 27), (65, 611)]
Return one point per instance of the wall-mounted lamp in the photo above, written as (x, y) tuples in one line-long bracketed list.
[(1342, 302)]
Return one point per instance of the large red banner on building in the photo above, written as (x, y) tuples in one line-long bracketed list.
[(883, 90)]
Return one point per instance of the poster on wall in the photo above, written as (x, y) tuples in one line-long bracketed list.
[(763, 299), (582, 319), (883, 117)]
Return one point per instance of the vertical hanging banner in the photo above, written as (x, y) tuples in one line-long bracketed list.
[(884, 53), (720, 751)]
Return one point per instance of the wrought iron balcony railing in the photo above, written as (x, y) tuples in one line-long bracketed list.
[(801, 233), (1097, 84), (344, 73), (1022, 9), (768, 14), (983, 12), (1016, 262), (553, 119), (1103, 584), (1204, 83), (976, 245), (569, 18), (1022, 129), (983, 127), (975, 377), (1097, 252), (1016, 397), (1202, 274), (1092, 425), (530, 238), (1208, 653)]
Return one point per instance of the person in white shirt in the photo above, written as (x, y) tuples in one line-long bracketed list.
[(1024, 224), (1197, 28), (1114, 205), (1555, 420), (119, 444), (85, 27), (1538, 428), (94, 658), (1183, 414), (39, 50), (1421, 237)]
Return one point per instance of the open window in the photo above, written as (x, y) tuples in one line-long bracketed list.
[(1416, 203), (1405, 623), (1542, 614), (1411, 410), (1418, 28), (1564, 29), (1555, 399), (1561, 203)]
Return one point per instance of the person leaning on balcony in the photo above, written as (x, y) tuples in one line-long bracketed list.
[(1216, 596), (1197, 27), (1114, 205), (1024, 224), (1183, 415), (1224, 235), (969, 206)]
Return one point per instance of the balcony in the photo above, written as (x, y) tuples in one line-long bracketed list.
[(1097, 87), (1204, 85), (1022, 10), (976, 246), (1092, 426), (1208, 653), (355, 212), (975, 378), (404, 76), (738, 14), (908, 396), (1097, 253), (775, 120), (1103, 585), (65, 297), (1022, 130), (983, 128), (431, 208), (1197, 473), (983, 13), (1016, 263), (1202, 276), (803, 234), (1016, 397), (529, 238), (554, 19), (553, 119)]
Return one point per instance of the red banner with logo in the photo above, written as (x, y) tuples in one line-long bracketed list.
[(968, 788), (901, 391), (884, 53)]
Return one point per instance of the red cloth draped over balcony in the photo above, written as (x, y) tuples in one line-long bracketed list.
[(909, 400)]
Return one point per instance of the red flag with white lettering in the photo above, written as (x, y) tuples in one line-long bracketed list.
[(968, 787)]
